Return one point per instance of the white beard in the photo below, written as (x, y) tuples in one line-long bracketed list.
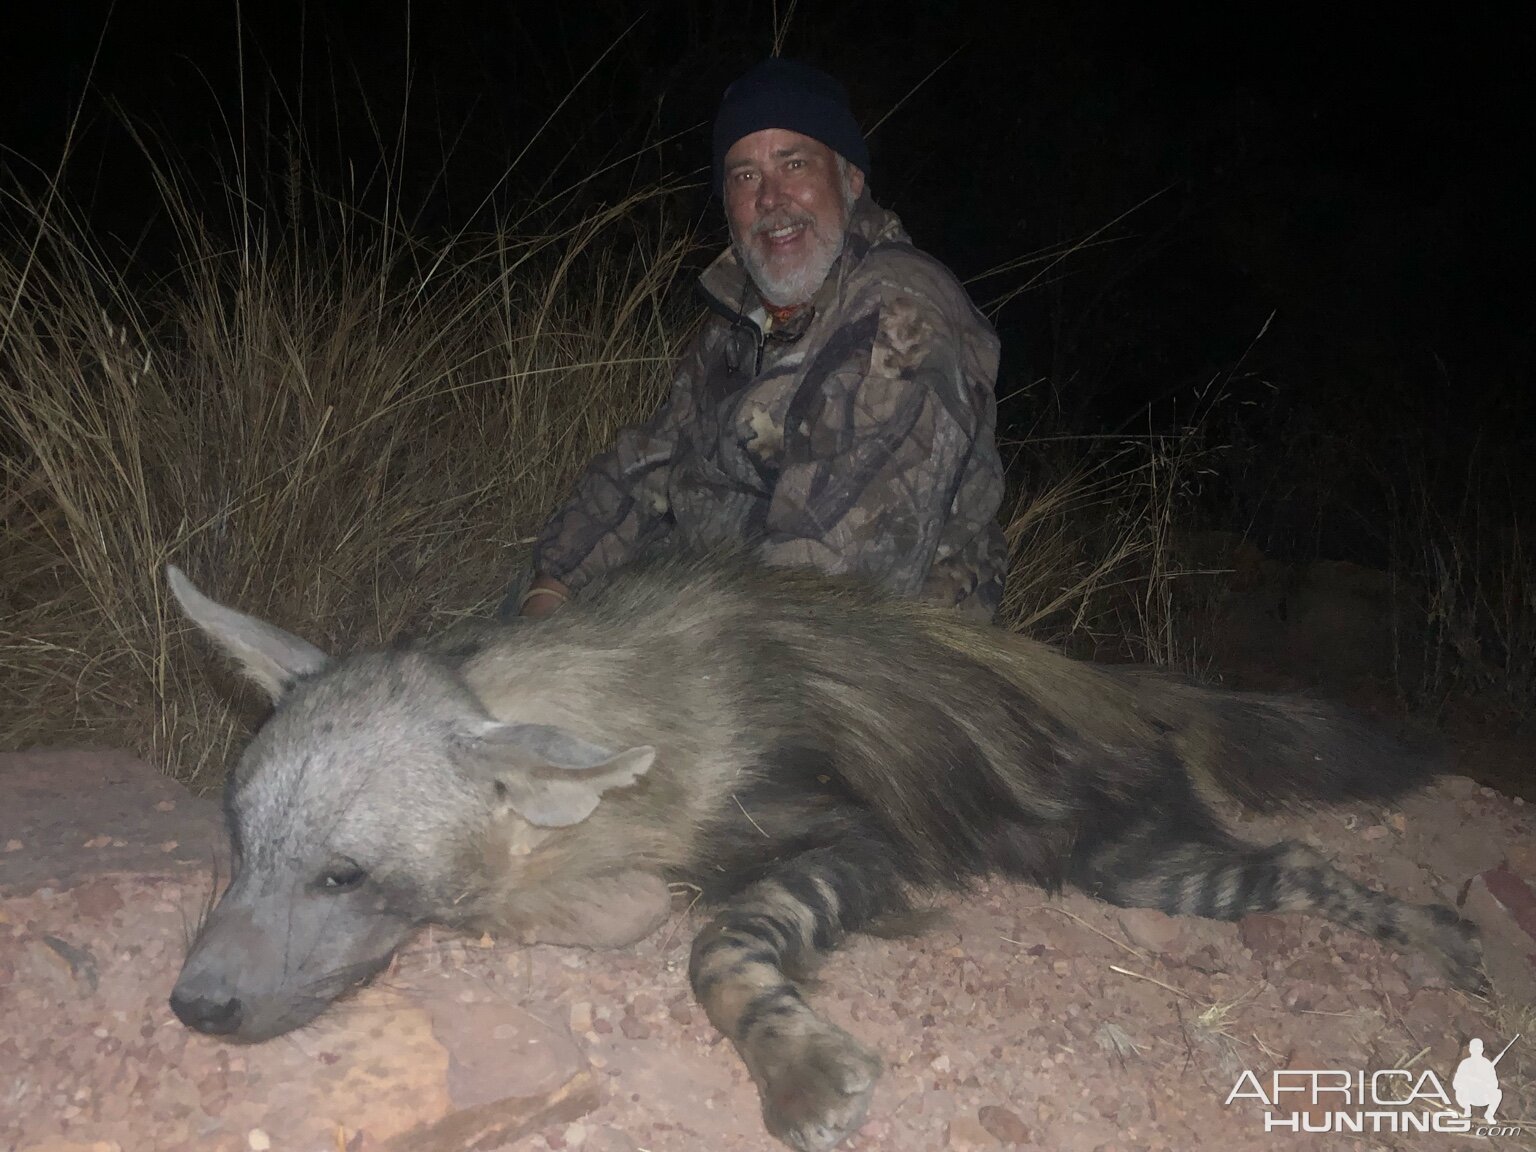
[(795, 285)]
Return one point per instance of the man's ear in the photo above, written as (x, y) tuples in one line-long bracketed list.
[(551, 777), (274, 659), (855, 181)]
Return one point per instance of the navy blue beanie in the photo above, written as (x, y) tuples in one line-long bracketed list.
[(787, 94)]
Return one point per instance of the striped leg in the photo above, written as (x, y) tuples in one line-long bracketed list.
[(814, 1079), (1223, 879)]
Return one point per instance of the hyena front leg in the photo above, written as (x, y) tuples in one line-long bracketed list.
[(814, 1079)]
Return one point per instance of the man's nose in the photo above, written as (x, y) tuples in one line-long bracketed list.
[(770, 193)]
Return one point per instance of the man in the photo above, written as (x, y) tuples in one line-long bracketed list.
[(837, 410)]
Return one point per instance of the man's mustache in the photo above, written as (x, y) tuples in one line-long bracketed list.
[(776, 222)]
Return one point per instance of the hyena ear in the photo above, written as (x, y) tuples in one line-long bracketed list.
[(553, 778), (274, 659)]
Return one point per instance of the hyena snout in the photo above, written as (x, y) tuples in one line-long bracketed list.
[(215, 1015), (267, 965), (208, 998)]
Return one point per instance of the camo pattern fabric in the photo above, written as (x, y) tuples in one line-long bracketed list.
[(858, 437)]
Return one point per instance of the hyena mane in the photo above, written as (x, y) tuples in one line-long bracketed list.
[(814, 757)]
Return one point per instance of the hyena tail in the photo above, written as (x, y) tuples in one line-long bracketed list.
[(1190, 866), (1266, 751), (1166, 849)]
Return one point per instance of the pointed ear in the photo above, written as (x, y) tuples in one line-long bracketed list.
[(553, 778), (274, 659)]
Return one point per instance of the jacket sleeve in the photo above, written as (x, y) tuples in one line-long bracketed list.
[(879, 436), (620, 504)]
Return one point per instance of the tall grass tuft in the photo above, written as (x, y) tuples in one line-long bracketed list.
[(344, 427)]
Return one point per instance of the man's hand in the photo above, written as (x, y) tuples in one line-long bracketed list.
[(544, 595)]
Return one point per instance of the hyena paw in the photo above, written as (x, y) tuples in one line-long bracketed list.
[(815, 1085), (1454, 943)]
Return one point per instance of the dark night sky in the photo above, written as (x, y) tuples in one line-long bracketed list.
[(1362, 173)]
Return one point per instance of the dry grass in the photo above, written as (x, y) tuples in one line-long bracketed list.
[(1465, 604), (1094, 543), (353, 434)]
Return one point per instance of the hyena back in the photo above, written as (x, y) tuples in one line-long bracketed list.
[(812, 755)]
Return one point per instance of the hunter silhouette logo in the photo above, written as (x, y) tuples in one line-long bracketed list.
[(1476, 1084)]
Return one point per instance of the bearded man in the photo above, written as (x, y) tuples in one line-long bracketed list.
[(837, 409)]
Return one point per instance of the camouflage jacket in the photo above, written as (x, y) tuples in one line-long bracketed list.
[(858, 437)]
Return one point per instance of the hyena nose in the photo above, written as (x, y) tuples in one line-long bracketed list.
[(215, 1017)]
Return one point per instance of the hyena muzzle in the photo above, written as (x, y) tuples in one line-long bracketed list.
[(814, 756)]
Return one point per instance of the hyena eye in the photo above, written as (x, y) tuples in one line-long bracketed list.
[(342, 877)]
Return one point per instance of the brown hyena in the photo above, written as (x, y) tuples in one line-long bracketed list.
[(811, 754)]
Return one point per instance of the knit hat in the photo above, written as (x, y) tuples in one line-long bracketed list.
[(787, 94)]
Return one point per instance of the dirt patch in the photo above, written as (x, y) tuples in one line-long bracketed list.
[(1018, 1022)]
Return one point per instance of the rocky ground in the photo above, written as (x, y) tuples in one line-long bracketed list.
[(1018, 1022)]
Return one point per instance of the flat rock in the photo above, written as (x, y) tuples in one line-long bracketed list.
[(71, 815)]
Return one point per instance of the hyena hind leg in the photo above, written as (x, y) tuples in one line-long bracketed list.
[(1226, 880), (815, 1080)]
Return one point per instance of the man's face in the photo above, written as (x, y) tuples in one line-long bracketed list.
[(787, 201)]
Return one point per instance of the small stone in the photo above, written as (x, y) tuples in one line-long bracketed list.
[(98, 899), (1299, 999), (607, 1139), (1264, 936), (1149, 929), (1004, 1124), (875, 1133), (966, 1134), (258, 1141)]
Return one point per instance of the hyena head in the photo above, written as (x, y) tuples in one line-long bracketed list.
[(364, 807)]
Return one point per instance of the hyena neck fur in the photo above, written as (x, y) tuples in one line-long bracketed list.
[(603, 881)]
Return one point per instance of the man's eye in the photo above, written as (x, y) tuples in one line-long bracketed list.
[(343, 878)]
